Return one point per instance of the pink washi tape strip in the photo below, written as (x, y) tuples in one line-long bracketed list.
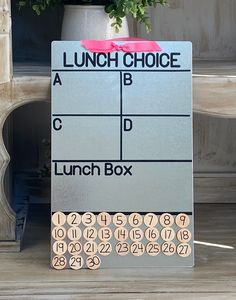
[(133, 45)]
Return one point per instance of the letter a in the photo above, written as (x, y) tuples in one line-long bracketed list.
[(57, 79)]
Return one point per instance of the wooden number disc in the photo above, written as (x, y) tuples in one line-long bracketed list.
[(90, 248), (150, 220), (93, 262), (121, 234), (58, 233), (58, 218), (105, 234), (76, 262), (90, 233), (104, 248), (184, 235), (153, 248), (167, 234), (122, 248), (184, 249), (59, 247), (119, 220), (136, 234), (135, 220), (88, 219), (166, 220), (137, 248), (74, 233), (168, 248), (59, 262), (152, 234), (74, 248), (104, 219), (74, 219), (182, 220)]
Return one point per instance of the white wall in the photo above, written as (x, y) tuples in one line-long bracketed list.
[(209, 24)]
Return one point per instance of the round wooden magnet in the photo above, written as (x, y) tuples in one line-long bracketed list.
[(184, 235), (166, 220), (121, 234), (58, 218), (93, 262), (137, 248), (152, 234), (136, 234), (74, 233), (59, 247), (104, 219), (167, 234), (105, 234), (59, 262), (119, 219), (168, 248), (184, 249), (135, 220), (90, 233), (74, 219), (105, 248), (90, 248), (88, 219), (122, 248), (74, 248), (58, 233), (182, 220), (150, 220), (153, 248), (76, 262)]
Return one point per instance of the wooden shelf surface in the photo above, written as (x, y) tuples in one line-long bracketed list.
[(27, 275), (214, 85)]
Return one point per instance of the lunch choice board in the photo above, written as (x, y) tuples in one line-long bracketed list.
[(121, 157)]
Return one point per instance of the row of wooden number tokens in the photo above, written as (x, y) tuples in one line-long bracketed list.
[(119, 219)]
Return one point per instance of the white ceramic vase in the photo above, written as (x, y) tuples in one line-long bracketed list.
[(89, 22)]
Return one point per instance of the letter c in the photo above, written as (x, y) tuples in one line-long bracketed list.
[(57, 124)]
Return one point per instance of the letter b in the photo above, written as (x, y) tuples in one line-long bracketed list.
[(128, 79)]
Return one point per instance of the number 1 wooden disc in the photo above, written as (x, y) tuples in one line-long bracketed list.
[(58, 218)]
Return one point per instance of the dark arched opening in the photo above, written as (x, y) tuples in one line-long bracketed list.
[(26, 136)]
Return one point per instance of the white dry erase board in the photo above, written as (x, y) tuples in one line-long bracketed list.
[(122, 186)]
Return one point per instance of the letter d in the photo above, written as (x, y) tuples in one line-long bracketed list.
[(128, 125)]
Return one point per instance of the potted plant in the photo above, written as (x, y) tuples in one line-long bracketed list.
[(96, 19)]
